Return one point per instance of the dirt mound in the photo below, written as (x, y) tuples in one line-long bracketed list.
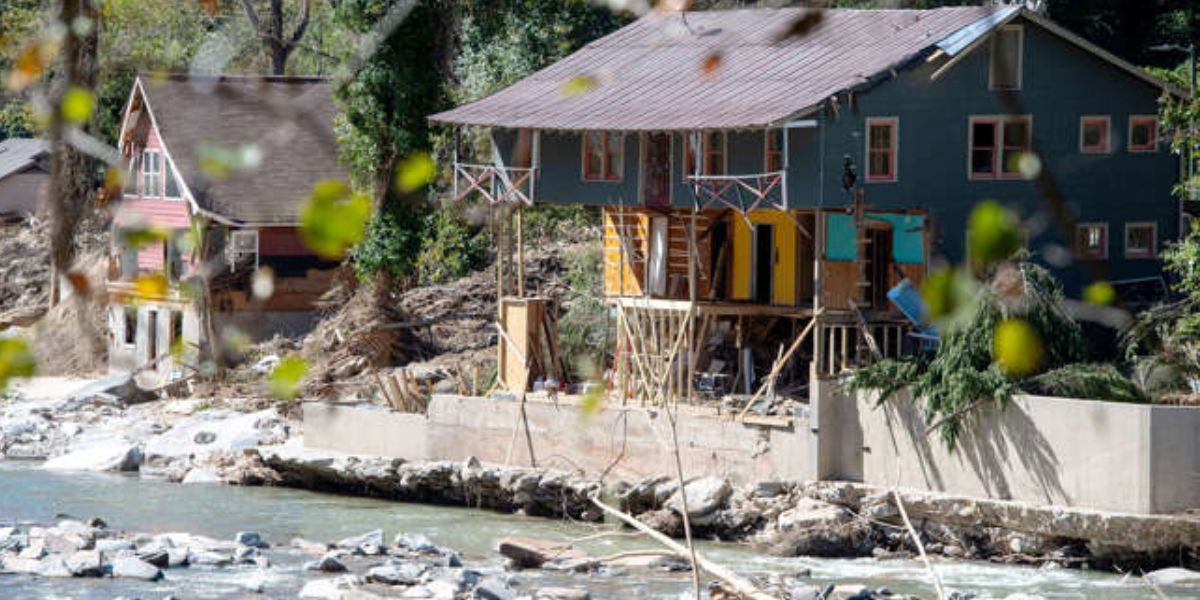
[(25, 259), (72, 338)]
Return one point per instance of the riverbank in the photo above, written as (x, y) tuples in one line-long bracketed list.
[(195, 441)]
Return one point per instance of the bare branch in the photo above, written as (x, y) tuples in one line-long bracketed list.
[(250, 14), (303, 26)]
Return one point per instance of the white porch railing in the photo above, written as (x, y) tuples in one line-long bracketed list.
[(743, 193), (497, 185)]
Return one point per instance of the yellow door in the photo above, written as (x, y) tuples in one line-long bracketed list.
[(783, 273)]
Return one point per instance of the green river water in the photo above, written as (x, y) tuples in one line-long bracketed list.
[(134, 504)]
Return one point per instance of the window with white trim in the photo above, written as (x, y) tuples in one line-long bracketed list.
[(243, 245), (1143, 133), (882, 143), (1141, 239), (997, 144), (1094, 134), (1008, 49), (1091, 240), (603, 156), (151, 173)]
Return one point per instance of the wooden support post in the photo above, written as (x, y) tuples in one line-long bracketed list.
[(520, 251), (693, 294), (779, 364)]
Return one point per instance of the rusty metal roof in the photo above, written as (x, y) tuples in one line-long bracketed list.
[(724, 69)]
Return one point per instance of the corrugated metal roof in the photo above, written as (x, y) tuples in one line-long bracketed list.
[(18, 154), (650, 74)]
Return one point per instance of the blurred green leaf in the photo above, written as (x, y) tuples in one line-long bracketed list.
[(288, 377), (1016, 347), (592, 402), (15, 361), (78, 104), (334, 218), (415, 172), (993, 234)]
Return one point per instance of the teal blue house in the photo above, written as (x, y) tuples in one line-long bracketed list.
[(790, 165)]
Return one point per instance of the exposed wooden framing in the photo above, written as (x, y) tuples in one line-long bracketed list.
[(520, 252), (779, 364)]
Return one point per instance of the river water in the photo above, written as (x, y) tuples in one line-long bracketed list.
[(139, 505)]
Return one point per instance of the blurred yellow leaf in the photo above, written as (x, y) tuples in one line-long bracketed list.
[(592, 402), (30, 62), (78, 104), (415, 172), (1016, 347), (578, 85), (114, 185), (993, 233), (1100, 293), (177, 348), (139, 236), (15, 361), (288, 377), (151, 286), (334, 218)]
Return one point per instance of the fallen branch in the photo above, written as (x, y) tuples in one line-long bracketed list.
[(937, 581), (739, 584), (956, 415)]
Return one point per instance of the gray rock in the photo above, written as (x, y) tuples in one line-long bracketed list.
[(494, 588), (251, 538), (704, 496), (532, 553), (396, 573), (34, 551), (800, 591), (159, 557), (54, 566), (329, 589), (1174, 576), (209, 558), (113, 546), (559, 593), (200, 475), (85, 563), (326, 564), (415, 542), (370, 543), (178, 557), (16, 564), (131, 567)]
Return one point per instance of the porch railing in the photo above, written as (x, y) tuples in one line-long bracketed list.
[(497, 185), (743, 193)]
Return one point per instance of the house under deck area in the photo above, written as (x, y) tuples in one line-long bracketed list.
[(740, 294)]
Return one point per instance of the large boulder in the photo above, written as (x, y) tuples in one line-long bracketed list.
[(132, 567), (85, 563), (1174, 576), (215, 432), (808, 513), (98, 452), (705, 496), (368, 544)]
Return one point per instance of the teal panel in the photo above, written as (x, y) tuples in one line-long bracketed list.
[(840, 237), (908, 243)]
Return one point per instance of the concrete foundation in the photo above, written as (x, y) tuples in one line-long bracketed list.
[(1046, 451)]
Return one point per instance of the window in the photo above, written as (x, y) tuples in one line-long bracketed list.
[(243, 245), (1007, 56), (131, 178), (1091, 240), (1143, 134), (1140, 240), (176, 330), (712, 151), (130, 326), (1093, 135), (151, 173), (997, 145), (881, 148), (773, 155), (602, 156), (170, 188)]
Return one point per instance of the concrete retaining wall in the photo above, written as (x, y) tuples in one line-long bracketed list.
[(1084, 453), (562, 436), (1047, 451)]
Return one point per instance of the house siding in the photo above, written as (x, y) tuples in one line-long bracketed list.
[(1061, 82)]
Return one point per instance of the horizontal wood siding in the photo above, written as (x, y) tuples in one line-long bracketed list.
[(281, 241)]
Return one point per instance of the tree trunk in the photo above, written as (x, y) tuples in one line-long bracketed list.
[(71, 171)]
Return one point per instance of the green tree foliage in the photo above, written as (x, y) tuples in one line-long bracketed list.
[(583, 331)]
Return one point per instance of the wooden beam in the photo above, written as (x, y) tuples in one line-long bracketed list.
[(778, 366)]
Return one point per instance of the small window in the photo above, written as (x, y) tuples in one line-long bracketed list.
[(151, 173), (1143, 134), (602, 156), (1091, 240), (130, 326), (243, 246), (1093, 135), (997, 145), (1140, 240), (712, 149), (170, 187), (773, 158), (1007, 56), (881, 149)]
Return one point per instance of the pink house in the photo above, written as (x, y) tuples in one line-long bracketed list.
[(230, 160)]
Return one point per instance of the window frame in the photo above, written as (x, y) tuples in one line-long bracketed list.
[(1149, 253), (1020, 30), (146, 174), (893, 150), (998, 149), (1106, 145), (1149, 148), (769, 151), (1079, 250), (689, 168), (611, 173)]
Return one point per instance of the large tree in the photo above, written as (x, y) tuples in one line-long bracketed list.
[(277, 41)]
